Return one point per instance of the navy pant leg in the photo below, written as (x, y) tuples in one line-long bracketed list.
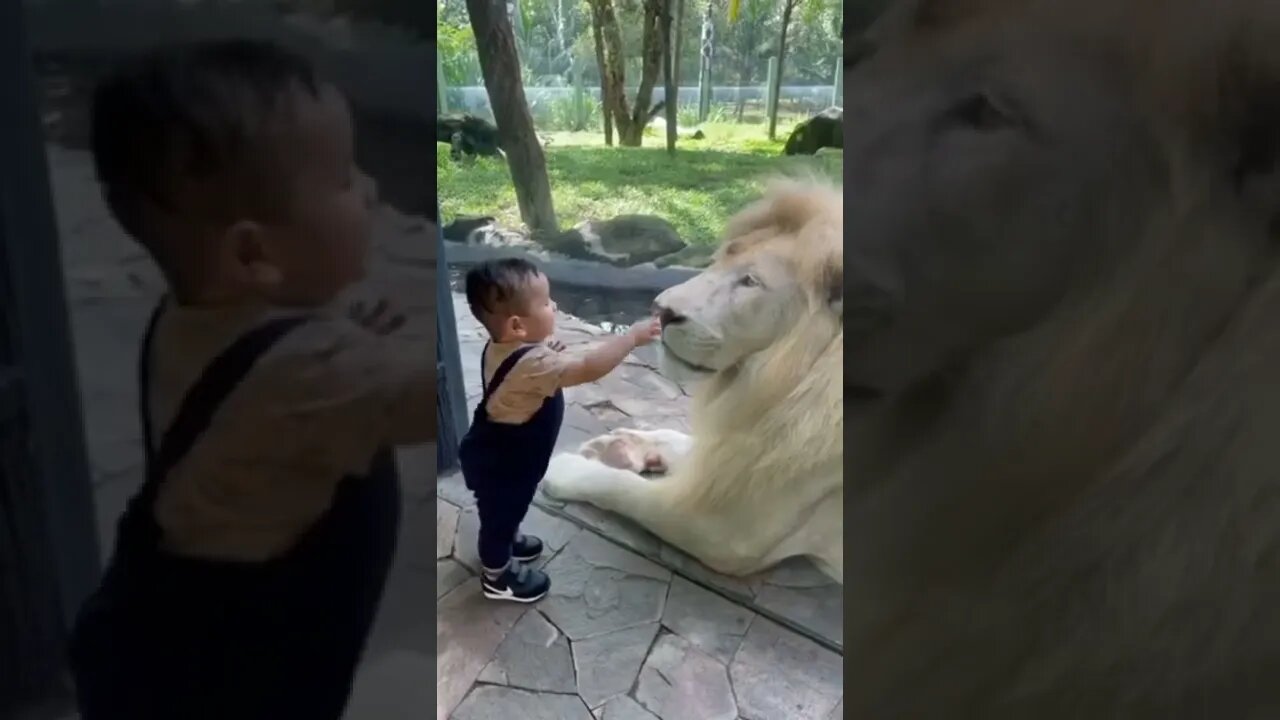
[(502, 507)]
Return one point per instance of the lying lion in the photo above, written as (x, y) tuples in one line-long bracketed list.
[(760, 479)]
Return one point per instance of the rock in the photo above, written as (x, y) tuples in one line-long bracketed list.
[(598, 588), (533, 656), (678, 682), (779, 674), (469, 630), (466, 540), (707, 621), (607, 665), (624, 708), (446, 527), (625, 240), (449, 575), (819, 610), (499, 703), (468, 134), (799, 592), (826, 129)]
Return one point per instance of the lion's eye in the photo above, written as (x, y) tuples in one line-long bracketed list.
[(981, 112), (749, 281)]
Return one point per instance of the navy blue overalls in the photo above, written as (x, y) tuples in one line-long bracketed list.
[(174, 637), (503, 463)]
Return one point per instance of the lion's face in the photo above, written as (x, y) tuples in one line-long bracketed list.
[(778, 267), (978, 197)]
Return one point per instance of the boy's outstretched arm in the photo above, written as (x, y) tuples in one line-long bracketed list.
[(356, 389), (606, 356)]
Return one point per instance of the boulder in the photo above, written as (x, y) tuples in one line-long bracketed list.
[(625, 240), (826, 129)]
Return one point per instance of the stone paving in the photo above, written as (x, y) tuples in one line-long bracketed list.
[(632, 629)]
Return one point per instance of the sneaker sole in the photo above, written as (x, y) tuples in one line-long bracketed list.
[(493, 595)]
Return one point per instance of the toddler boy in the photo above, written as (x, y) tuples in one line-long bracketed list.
[(247, 571), (506, 451)]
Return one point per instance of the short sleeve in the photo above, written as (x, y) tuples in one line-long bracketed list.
[(535, 377), (354, 391), (540, 370)]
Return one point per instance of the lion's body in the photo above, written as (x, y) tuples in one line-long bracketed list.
[(1070, 508), (761, 479)]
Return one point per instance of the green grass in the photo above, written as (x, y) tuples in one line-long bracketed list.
[(697, 190)]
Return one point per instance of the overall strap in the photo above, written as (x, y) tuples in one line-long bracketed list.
[(196, 410), (501, 373), (138, 529)]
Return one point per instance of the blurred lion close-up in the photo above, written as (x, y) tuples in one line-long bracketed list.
[(1063, 478)]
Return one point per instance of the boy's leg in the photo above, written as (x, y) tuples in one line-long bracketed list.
[(499, 520), (525, 548), (500, 516)]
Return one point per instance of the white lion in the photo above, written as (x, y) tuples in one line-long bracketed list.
[(761, 331)]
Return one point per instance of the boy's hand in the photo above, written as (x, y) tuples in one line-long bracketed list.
[(645, 331), (380, 318), (556, 345)]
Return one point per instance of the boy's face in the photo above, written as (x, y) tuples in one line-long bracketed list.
[(538, 321), (319, 246)]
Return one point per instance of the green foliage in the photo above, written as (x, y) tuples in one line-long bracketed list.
[(456, 47), (697, 190), (554, 34)]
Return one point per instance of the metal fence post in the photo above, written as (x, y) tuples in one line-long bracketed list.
[(451, 398), (49, 558)]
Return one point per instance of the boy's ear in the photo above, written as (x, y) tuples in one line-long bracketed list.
[(247, 256), (515, 326)]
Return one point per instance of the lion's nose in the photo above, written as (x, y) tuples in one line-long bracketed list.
[(667, 316)]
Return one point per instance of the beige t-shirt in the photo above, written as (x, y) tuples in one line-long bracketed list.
[(535, 377), (314, 408)]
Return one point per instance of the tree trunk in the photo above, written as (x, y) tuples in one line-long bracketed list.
[(651, 59), (748, 66), (787, 8), (500, 65), (612, 71), (606, 103), (668, 78), (679, 41), (629, 121)]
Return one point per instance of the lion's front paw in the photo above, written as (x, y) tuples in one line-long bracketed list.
[(569, 477), (627, 450), (615, 450)]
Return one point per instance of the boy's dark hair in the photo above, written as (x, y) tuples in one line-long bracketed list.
[(191, 114), (492, 284)]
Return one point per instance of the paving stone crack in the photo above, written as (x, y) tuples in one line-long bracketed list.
[(776, 617)]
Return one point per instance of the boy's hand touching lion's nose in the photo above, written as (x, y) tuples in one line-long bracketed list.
[(645, 331)]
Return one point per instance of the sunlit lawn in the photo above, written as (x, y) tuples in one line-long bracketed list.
[(706, 182)]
